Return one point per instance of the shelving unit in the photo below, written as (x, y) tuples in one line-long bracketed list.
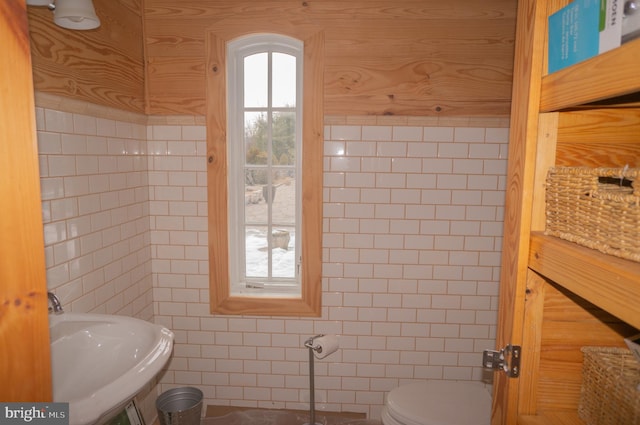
[(562, 296)]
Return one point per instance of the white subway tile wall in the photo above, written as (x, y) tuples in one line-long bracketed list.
[(95, 201), (412, 237)]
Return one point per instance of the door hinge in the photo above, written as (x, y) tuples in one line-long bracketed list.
[(507, 360)]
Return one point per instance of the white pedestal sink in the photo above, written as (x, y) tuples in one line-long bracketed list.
[(100, 362)]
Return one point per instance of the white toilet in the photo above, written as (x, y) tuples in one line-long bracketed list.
[(438, 403)]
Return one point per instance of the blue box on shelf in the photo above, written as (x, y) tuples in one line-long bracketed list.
[(583, 29)]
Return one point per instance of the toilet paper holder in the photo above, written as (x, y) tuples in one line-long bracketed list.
[(310, 343), (312, 396)]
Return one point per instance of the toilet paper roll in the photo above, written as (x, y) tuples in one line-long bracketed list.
[(325, 345)]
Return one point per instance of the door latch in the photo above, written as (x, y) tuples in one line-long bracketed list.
[(507, 360)]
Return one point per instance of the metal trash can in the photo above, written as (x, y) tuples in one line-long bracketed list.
[(180, 406)]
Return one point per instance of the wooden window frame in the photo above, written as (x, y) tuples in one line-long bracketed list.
[(221, 300)]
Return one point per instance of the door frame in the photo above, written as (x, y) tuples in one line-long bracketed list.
[(25, 360)]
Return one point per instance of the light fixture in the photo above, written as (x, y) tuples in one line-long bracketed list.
[(76, 15), (71, 14)]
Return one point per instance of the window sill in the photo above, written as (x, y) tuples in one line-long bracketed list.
[(276, 306)]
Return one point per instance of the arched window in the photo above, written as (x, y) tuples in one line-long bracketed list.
[(264, 158), (264, 174)]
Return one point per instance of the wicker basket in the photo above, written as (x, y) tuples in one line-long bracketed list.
[(595, 207), (609, 393)]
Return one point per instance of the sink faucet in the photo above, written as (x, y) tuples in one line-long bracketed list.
[(55, 307)]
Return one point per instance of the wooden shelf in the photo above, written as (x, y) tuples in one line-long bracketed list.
[(556, 418), (609, 75), (611, 283)]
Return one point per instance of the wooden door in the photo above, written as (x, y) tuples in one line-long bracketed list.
[(25, 370), (512, 396)]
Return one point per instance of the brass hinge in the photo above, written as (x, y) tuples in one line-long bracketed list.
[(507, 360)]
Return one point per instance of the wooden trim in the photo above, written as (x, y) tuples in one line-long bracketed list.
[(25, 364), (222, 302), (529, 59), (530, 358), (217, 172), (545, 159)]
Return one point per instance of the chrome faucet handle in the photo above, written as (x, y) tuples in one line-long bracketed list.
[(54, 304)]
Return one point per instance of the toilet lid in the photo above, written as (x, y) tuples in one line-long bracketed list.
[(440, 403)]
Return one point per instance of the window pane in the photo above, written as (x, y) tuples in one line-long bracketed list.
[(284, 138), (282, 255), (255, 196), (257, 253), (284, 252), (256, 138), (276, 200), (256, 80), (284, 80), (284, 200)]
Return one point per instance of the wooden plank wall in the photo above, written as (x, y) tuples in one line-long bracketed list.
[(383, 57), (104, 66)]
